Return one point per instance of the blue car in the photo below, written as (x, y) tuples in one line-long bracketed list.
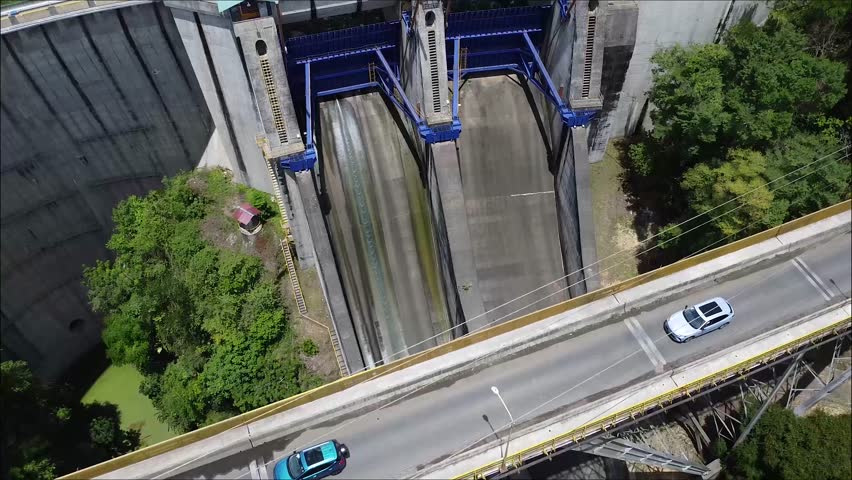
[(313, 463)]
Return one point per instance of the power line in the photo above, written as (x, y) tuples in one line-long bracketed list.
[(391, 356), (393, 369), (761, 280), (598, 273)]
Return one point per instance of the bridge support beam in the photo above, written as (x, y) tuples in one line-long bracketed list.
[(623, 449), (768, 400), (570, 117), (802, 409)]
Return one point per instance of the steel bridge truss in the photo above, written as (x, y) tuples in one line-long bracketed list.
[(367, 57), (750, 389)]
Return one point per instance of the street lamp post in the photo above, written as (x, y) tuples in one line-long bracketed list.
[(511, 424)]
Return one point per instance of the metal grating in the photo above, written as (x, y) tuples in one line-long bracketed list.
[(274, 102), (587, 64), (434, 72), (482, 23)]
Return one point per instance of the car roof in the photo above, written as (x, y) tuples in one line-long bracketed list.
[(713, 308), (319, 455)]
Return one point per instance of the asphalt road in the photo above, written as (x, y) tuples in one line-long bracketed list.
[(394, 441)]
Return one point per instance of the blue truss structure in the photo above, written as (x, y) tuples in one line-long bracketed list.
[(565, 8), (507, 39), (367, 57)]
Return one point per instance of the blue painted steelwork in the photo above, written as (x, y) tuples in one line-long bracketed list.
[(431, 134), (507, 40), (569, 117), (456, 76), (565, 7), (406, 22), (500, 21), (305, 160), (353, 60), (362, 58)]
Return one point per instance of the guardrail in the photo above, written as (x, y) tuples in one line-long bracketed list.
[(548, 447), (22, 16), (453, 345)]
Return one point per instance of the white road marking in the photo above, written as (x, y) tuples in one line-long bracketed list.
[(812, 278), (263, 469), (532, 193), (646, 343), (253, 470)]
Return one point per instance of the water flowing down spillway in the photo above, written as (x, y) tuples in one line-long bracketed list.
[(381, 228)]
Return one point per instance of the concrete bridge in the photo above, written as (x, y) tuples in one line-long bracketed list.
[(566, 372)]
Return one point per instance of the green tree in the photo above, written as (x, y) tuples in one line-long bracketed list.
[(731, 117), (785, 447), (815, 169), (826, 23), (743, 175), (204, 324), (181, 403), (745, 93), (776, 82), (689, 88), (48, 433), (263, 202)]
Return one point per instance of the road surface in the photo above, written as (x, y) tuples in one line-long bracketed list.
[(393, 442)]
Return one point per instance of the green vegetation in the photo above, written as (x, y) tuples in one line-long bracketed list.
[(785, 447), (35, 416), (309, 348), (204, 323), (263, 202), (12, 3), (770, 102), (614, 222), (120, 385)]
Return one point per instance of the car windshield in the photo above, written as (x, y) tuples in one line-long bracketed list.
[(294, 466), (693, 317)]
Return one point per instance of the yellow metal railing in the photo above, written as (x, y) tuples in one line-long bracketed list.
[(549, 446), (457, 344), (295, 285), (21, 15)]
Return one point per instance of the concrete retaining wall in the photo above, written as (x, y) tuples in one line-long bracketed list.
[(660, 24)]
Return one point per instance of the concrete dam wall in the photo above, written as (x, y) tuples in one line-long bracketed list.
[(383, 232), (93, 109), (414, 239)]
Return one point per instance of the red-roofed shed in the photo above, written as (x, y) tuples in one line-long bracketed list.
[(247, 216)]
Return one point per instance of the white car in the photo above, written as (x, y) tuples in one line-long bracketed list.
[(702, 318)]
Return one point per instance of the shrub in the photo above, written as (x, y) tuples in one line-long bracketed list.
[(309, 348)]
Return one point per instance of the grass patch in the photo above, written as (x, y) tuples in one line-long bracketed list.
[(614, 222), (120, 385), (11, 3)]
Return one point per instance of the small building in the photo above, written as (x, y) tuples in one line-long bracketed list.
[(249, 218)]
